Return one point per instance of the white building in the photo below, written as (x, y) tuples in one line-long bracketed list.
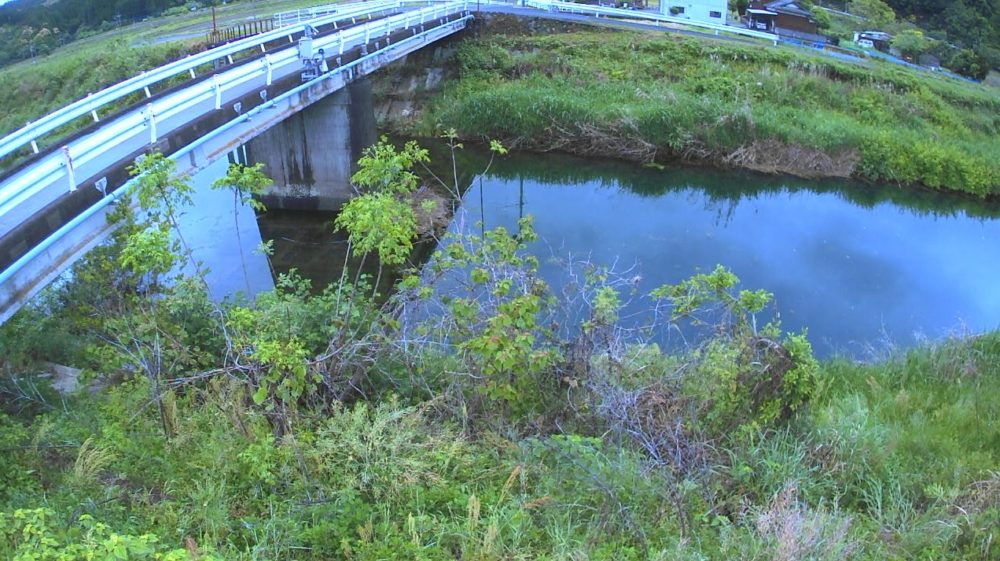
[(707, 11)]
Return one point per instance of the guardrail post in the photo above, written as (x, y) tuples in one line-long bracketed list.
[(34, 146), (93, 112), (191, 72), (70, 173), (368, 32), (151, 119), (218, 91), (267, 69), (341, 34)]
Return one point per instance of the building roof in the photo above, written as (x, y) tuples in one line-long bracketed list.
[(762, 12), (788, 7), (876, 35)]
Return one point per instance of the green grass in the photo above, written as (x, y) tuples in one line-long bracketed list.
[(37, 89), (732, 104), (895, 460)]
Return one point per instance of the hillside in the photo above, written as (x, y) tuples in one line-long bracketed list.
[(971, 24), (963, 34)]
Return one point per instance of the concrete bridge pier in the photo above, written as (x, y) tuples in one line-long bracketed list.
[(312, 154)]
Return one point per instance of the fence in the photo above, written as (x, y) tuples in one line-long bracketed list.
[(239, 31)]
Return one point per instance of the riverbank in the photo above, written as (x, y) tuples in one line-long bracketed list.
[(626, 454), (652, 97)]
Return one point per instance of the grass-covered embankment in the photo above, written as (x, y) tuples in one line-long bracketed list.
[(651, 96), (890, 461)]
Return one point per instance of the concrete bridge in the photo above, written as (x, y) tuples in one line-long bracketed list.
[(294, 98)]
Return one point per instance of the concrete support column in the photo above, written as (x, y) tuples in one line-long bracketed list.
[(312, 154)]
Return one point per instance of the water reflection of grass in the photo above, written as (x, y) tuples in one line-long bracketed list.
[(719, 186)]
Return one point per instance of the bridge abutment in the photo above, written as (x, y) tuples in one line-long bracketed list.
[(312, 154)]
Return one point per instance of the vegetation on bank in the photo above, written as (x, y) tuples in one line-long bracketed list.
[(473, 414), (653, 97)]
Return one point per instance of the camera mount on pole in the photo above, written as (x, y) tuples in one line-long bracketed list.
[(313, 63)]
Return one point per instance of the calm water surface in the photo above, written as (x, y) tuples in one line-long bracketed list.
[(861, 267)]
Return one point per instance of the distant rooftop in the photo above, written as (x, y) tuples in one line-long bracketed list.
[(788, 7), (877, 35)]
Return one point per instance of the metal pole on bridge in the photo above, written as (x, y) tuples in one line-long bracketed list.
[(151, 119), (70, 172), (218, 91)]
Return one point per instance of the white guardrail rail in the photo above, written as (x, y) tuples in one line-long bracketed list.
[(32, 131), (598, 11), (31, 189)]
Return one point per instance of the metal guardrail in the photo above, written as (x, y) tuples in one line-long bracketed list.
[(31, 132), (64, 231), (32, 189), (598, 11)]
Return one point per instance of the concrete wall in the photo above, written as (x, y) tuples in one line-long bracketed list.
[(312, 154), (697, 10)]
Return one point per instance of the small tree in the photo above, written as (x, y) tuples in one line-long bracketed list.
[(911, 43), (822, 17), (876, 11)]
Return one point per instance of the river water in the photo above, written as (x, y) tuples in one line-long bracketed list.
[(865, 269)]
